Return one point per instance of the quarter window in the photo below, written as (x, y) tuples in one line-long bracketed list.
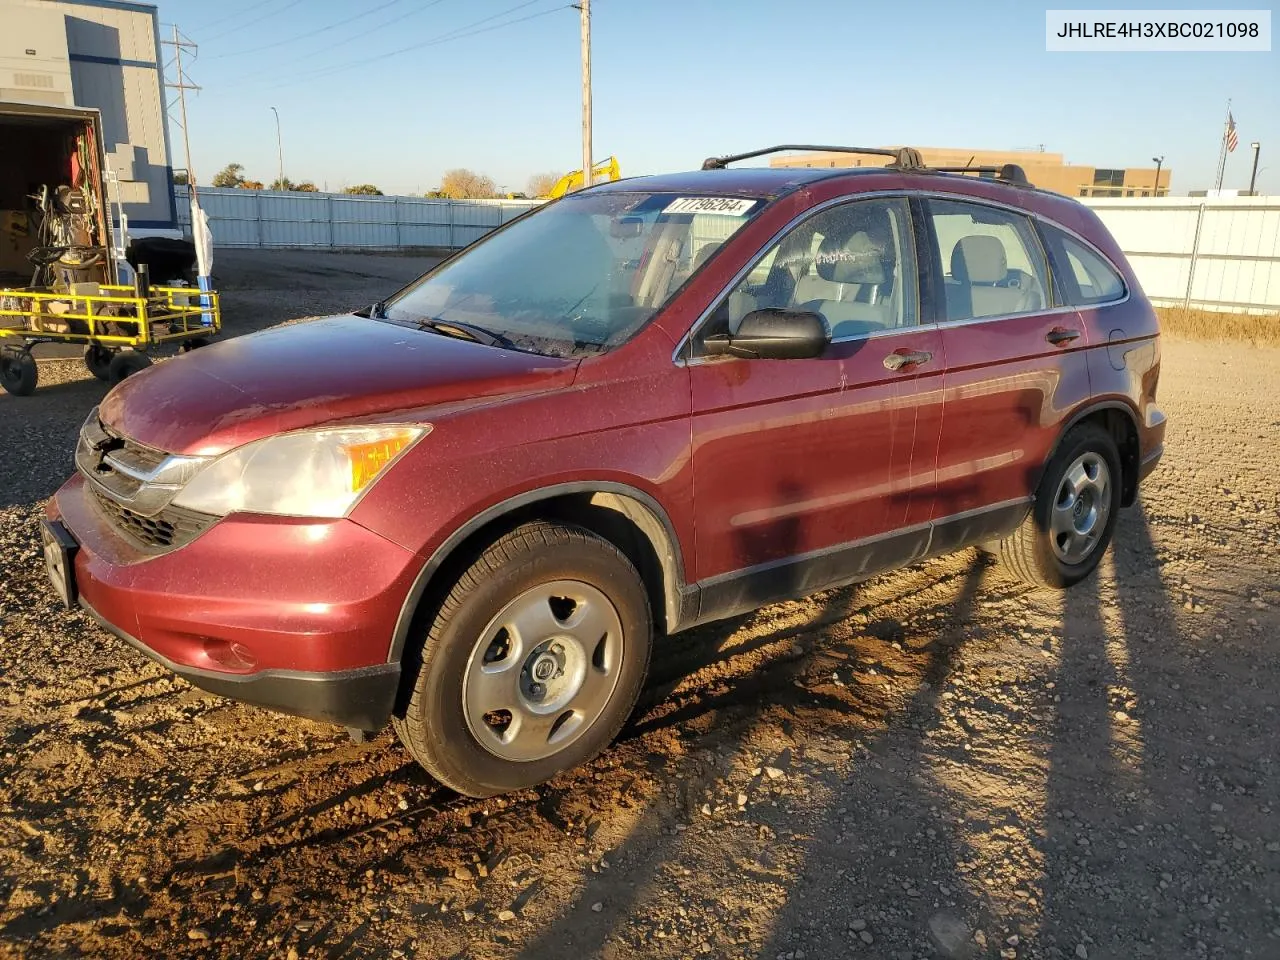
[(1092, 279), (853, 264), (991, 261)]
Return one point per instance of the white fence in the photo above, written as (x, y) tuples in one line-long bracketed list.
[(335, 221), (1221, 254), (1215, 253)]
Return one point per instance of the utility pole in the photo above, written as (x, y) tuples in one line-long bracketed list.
[(279, 149), (1253, 177), (1159, 163), (180, 43), (585, 9), (1222, 150)]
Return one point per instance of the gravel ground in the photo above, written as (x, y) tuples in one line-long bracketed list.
[(938, 763)]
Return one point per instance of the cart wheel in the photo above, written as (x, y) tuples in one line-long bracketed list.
[(195, 343), (98, 359), (18, 374), (125, 363)]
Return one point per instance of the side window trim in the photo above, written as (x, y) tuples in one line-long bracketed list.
[(683, 352), (933, 305)]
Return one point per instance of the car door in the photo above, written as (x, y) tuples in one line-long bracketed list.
[(1015, 367), (805, 470)]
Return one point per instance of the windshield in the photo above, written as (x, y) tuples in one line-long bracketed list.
[(581, 275)]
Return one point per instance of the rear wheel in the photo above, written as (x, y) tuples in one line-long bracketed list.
[(1076, 507), (97, 359), (18, 373), (533, 663), (125, 364)]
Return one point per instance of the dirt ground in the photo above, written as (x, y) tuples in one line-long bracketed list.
[(936, 763)]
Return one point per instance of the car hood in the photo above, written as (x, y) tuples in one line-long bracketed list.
[(290, 378)]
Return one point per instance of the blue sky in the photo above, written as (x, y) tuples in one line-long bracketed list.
[(389, 99)]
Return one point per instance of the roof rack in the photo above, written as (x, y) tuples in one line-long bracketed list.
[(1008, 173), (905, 158)]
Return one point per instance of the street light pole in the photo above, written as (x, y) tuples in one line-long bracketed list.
[(1159, 163), (279, 149), (1253, 177)]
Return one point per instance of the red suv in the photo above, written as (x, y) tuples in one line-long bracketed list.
[(654, 403)]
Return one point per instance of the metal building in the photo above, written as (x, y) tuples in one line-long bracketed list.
[(104, 54)]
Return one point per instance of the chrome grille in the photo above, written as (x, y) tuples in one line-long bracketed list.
[(133, 486)]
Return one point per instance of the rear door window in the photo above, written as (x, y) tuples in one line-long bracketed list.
[(992, 263)]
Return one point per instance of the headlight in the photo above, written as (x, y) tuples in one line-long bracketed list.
[(318, 473)]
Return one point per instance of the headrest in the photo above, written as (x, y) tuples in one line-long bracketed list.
[(704, 254), (979, 259), (858, 259)]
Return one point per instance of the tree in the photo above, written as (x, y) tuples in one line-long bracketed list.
[(306, 186), (232, 175), (364, 189), (251, 185), (278, 184), (180, 178), (463, 184), (540, 184)]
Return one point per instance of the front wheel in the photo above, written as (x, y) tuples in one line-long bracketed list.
[(1076, 506), (533, 663), (97, 359), (18, 373), (125, 364)]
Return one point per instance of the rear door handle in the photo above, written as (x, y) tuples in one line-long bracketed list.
[(906, 358), (1059, 336)]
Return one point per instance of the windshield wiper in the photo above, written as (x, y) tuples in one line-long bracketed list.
[(464, 331)]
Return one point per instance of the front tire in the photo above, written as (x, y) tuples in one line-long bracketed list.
[(97, 359), (125, 364), (19, 374), (532, 664), (1076, 506)]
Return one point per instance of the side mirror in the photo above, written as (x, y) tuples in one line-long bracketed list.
[(773, 335)]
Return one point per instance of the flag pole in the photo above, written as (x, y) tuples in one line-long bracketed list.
[(1222, 148)]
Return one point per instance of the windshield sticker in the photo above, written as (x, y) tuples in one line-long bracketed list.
[(725, 206)]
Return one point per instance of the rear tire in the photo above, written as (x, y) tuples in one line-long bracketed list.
[(19, 374), (125, 364), (1071, 523), (532, 664)]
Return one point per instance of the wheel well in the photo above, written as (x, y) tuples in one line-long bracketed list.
[(1119, 423), (624, 521)]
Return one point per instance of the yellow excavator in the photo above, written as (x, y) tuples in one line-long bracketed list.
[(604, 170)]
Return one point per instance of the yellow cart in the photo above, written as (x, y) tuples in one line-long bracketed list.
[(117, 325)]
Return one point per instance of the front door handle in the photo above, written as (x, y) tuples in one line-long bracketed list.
[(1060, 336), (900, 359)]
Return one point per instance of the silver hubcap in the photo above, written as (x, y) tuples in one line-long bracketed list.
[(543, 670), (1081, 508)]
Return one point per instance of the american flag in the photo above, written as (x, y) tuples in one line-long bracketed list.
[(1232, 140)]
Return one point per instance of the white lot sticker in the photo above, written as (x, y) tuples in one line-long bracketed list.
[(725, 206)]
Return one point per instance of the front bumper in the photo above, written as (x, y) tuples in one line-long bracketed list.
[(360, 698), (294, 615)]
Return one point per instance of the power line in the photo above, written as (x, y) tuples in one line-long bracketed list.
[(458, 33), (249, 23), (326, 29), (237, 14), (275, 68)]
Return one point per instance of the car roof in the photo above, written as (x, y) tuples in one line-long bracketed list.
[(739, 181)]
